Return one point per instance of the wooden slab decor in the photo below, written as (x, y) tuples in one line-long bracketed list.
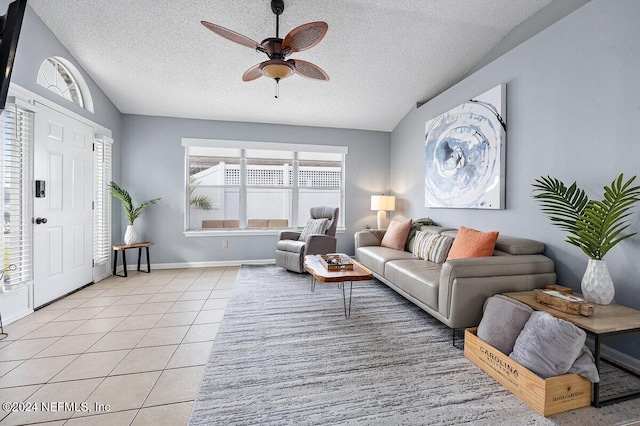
[(564, 302), (546, 396), (560, 288)]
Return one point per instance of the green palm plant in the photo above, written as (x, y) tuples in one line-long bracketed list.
[(593, 226), (198, 201), (131, 212)]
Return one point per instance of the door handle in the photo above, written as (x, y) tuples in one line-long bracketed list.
[(40, 220)]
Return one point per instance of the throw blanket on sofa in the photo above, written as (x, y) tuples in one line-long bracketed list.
[(417, 224)]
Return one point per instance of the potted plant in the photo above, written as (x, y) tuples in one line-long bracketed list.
[(198, 201), (131, 212), (593, 226)]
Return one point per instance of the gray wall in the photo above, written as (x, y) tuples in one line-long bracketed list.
[(37, 43), (153, 165), (572, 113), (540, 20)]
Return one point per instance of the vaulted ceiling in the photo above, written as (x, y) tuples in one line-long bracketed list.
[(152, 57)]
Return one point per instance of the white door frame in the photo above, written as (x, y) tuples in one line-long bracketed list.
[(30, 97)]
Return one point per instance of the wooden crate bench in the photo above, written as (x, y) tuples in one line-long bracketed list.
[(546, 396)]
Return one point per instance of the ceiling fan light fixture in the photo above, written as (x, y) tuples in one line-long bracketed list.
[(277, 69)]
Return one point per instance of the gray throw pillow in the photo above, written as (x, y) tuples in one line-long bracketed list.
[(585, 366), (502, 321), (314, 226), (548, 346)]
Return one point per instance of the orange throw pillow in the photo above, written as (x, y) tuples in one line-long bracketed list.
[(472, 243), (396, 235)]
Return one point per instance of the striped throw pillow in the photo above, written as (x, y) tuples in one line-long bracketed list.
[(314, 226), (432, 247)]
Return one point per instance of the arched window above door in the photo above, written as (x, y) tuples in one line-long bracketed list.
[(61, 77)]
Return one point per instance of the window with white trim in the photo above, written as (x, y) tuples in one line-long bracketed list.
[(235, 185), (102, 157), (17, 159)]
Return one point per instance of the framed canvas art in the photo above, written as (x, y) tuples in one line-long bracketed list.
[(465, 154)]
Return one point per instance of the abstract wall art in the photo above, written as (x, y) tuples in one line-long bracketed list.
[(465, 154)]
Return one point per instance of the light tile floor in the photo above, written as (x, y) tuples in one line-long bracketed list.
[(136, 345)]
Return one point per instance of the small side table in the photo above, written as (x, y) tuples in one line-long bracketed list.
[(123, 248)]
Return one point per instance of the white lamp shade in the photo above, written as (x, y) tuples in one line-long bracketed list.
[(383, 202)]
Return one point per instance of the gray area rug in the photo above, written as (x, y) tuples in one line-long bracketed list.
[(285, 355)]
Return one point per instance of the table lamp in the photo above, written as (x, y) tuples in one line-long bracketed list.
[(383, 203)]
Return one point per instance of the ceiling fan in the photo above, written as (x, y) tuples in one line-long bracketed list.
[(277, 67)]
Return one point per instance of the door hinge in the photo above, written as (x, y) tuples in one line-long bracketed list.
[(93, 205), (93, 147), (93, 263)]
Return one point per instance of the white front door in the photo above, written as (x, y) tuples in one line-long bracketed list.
[(63, 160)]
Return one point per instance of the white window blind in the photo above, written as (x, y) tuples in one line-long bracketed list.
[(102, 200), (17, 159)]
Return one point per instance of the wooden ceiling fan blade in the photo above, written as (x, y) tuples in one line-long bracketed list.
[(231, 35), (305, 36), (309, 70), (252, 73)]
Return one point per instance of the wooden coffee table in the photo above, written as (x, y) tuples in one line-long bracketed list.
[(607, 320), (320, 273)]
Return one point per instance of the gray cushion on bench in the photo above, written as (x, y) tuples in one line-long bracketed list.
[(548, 346), (502, 321)]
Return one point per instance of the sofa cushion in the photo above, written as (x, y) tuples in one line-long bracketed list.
[(431, 247), (509, 245), (375, 257), (314, 226), (472, 243), (396, 235), (293, 246), (502, 321), (416, 277), (514, 245)]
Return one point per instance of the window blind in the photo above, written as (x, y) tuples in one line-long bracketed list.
[(102, 200), (17, 193)]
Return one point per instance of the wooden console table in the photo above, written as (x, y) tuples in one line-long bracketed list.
[(123, 248), (607, 320)]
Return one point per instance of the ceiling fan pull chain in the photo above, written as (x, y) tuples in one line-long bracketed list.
[(277, 88)]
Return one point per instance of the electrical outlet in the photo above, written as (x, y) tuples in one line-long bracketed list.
[(225, 243)]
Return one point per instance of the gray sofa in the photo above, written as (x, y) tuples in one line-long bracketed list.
[(454, 292)]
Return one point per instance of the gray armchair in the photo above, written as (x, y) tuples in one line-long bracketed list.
[(290, 252)]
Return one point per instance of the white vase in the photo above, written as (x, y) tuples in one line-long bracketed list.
[(130, 236), (597, 286)]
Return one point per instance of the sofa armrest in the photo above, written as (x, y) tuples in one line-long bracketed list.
[(289, 235), (487, 276), (495, 266), (366, 238), (320, 244)]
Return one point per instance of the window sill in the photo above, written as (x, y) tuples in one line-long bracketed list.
[(242, 232)]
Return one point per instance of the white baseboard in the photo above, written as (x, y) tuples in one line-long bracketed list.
[(16, 317), (209, 264)]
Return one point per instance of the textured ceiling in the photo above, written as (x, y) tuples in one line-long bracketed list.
[(152, 57)]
